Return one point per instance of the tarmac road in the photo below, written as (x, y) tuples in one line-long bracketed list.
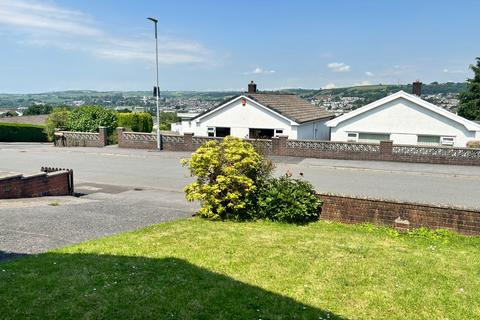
[(127, 189)]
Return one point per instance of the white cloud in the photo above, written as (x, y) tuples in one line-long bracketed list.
[(338, 67), (259, 70), (41, 16), (48, 25), (369, 74), (329, 86), (363, 83), (453, 71)]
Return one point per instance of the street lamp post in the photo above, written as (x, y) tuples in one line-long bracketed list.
[(156, 90)]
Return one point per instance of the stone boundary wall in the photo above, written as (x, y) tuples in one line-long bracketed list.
[(81, 139), (400, 215), (282, 146), (37, 185)]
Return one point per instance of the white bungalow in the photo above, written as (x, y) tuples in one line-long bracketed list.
[(260, 115), (405, 119)]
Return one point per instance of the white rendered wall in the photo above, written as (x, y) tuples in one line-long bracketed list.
[(240, 119), (404, 120)]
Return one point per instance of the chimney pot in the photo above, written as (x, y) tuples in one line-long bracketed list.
[(252, 87), (417, 88)]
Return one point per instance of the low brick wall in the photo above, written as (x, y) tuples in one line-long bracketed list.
[(81, 139), (37, 185), (383, 151), (136, 140), (282, 146), (400, 215)]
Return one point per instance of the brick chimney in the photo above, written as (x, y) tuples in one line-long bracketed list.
[(252, 87), (417, 88)]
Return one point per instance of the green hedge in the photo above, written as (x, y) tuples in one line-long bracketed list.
[(20, 132), (136, 121)]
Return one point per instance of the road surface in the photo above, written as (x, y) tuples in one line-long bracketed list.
[(127, 189), (426, 183)]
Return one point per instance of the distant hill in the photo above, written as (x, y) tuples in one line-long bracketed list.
[(365, 94), (442, 94), (380, 90)]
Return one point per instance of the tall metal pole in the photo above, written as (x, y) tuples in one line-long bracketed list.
[(157, 90)]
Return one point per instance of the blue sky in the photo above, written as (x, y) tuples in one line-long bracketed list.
[(221, 45)]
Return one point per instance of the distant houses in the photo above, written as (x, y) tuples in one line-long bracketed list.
[(258, 115), (401, 117)]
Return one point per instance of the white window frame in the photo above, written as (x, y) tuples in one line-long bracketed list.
[(448, 141), (354, 138), (211, 130), (429, 144), (276, 132)]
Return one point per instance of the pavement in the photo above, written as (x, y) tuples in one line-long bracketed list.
[(30, 226), (125, 189)]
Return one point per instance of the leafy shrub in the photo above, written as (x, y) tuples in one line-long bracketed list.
[(89, 118), (287, 200), (20, 132), (227, 175), (474, 144), (57, 119), (136, 121)]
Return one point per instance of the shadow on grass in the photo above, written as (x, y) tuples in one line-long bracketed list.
[(117, 287), (7, 255)]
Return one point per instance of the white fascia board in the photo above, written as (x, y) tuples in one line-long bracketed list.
[(293, 123), (469, 125)]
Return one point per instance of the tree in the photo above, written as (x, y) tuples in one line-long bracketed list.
[(166, 120), (38, 109), (9, 114), (470, 100)]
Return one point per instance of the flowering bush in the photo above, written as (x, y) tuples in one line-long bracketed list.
[(227, 177), (233, 182), (474, 144)]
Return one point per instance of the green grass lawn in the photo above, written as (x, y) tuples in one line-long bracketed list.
[(195, 269)]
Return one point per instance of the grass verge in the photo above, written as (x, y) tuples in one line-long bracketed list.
[(196, 269)]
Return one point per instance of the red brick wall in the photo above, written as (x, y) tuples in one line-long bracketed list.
[(141, 140), (401, 215), (42, 184), (348, 151)]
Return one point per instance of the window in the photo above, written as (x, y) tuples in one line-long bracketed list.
[(261, 133), (352, 137), (278, 132), (447, 141), (222, 132), (211, 131), (424, 140), (373, 137)]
